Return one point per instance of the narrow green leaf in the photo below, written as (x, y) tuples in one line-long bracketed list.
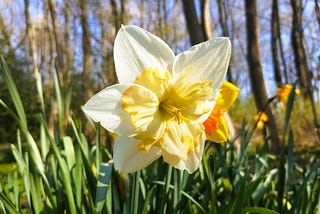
[(13, 186), (85, 158), (134, 201), (69, 152), (15, 97), (147, 199), (103, 185), (189, 197), (258, 210), (289, 106), (238, 202), (36, 190), (78, 177), (290, 158), (281, 180), (251, 187), (66, 177), (58, 94), (8, 204)]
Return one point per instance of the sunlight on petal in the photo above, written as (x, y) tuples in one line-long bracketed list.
[(135, 50), (127, 157), (106, 107)]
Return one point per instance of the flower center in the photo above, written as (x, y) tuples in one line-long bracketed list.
[(169, 108)]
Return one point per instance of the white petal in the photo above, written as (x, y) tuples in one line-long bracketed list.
[(194, 158), (175, 145), (105, 107), (207, 60), (136, 50), (193, 162), (127, 157)]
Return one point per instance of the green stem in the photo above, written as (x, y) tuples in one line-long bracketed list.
[(165, 191), (177, 183), (135, 193)]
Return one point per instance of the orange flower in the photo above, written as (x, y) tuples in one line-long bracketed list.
[(215, 126), (261, 119)]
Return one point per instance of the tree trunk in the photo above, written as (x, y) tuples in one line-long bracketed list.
[(107, 68), (115, 14), (275, 36), (255, 71), (298, 48), (301, 63), (224, 26), (86, 50), (30, 36), (66, 43), (206, 20), (193, 25), (317, 11), (58, 45)]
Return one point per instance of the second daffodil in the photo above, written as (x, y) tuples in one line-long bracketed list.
[(161, 101)]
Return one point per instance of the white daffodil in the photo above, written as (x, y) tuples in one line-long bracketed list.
[(161, 101)]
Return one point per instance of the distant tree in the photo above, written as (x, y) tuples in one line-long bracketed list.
[(225, 30), (86, 49), (297, 39), (300, 59), (195, 28), (107, 66), (256, 73), (275, 40)]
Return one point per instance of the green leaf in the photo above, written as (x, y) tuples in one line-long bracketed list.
[(8, 204), (16, 99), (238, 202), (289, 106), (259, 210), (105, 173), (69, 152), (251, 187)]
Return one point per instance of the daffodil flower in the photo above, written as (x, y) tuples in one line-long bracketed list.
[(215, 126), (161, 101), (284, 92), (261, 119)]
